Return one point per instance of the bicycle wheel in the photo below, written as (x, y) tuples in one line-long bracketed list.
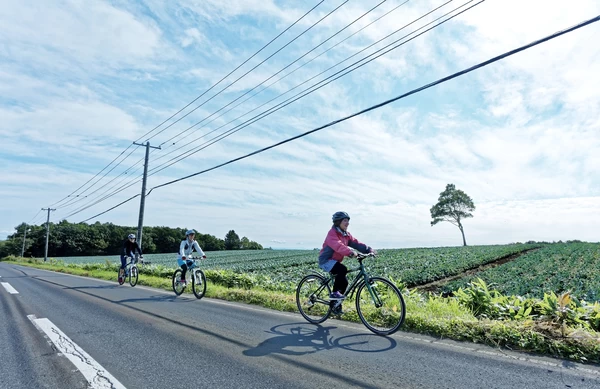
[(312, 298), (384, 311), (198, 283), (133, 275), (178, 287), (121, 279)]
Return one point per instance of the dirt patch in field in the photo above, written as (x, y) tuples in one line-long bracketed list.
[(436, 286)]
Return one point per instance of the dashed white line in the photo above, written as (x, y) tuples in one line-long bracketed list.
[(93, 372), (9, 288)]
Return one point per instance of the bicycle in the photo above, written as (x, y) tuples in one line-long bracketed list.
[(198, 279), (379, 303), (130, 272)]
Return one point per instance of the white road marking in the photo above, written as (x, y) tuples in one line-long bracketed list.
[(9, 288), (93, 372)]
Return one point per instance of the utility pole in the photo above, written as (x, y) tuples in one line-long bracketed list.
[(143, 199), (24, 236), (47, 230)]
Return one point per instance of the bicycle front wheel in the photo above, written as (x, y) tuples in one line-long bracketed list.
[(133, 275), (177, 285), (312, 298), (199, 283), (382, 310)]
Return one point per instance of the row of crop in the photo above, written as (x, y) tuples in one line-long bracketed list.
[(573, 267)]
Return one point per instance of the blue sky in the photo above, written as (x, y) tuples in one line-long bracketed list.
[(79, 82)]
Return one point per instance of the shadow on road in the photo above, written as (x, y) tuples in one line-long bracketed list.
[(304, 338)]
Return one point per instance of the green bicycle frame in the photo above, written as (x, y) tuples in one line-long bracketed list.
[(362, 275)]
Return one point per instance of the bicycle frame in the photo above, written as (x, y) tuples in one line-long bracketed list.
[(361, 276)]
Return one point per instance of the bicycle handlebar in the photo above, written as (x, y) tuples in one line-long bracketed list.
[(363, 256)]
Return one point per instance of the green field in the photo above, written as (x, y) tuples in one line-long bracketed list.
[(554, 267), (573, 267), (281, 269)]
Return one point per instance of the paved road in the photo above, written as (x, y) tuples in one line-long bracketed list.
[(147, 338)]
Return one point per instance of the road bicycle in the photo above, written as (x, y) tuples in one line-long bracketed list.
[(379, 303), (194, 275), (130, 273)]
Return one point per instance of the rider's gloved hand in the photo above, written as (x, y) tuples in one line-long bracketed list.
[(183, 258), (374, 252), (204, 257)]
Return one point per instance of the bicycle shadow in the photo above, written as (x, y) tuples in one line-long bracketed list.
[(302, 338)]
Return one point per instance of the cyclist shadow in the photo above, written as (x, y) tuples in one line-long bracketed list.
[(302, 339), (92, 287), (155, 299)]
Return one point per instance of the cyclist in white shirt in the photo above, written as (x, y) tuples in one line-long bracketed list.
[(185, 250)]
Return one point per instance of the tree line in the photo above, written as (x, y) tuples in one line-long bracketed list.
[(81, 239)]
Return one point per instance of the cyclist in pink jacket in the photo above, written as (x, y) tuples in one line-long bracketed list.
[(337, 245)]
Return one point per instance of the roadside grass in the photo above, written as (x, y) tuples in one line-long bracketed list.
[(426, 313)]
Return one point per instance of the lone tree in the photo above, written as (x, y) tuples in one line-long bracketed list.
[(453, 205)]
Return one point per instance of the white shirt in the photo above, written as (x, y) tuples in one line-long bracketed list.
[(187, 247)]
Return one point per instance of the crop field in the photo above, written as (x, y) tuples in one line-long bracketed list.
[(282, 269), (558, 267)]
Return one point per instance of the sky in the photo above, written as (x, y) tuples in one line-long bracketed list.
[(80, 81)]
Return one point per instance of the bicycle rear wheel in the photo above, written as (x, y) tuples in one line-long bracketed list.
[(178, 287), (120, 278), (312, 298), (382, 312), (133, 275), (198, 283)]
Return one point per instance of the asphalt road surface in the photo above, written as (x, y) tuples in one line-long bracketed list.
[(63, 331)]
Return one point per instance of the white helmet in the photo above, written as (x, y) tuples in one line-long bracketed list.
[(131, 236), (189, 232)]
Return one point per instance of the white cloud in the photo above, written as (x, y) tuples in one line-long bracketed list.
[(69, 34), (520, 136), (192, 35)]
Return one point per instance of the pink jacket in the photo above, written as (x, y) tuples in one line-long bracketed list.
[(337, 246)]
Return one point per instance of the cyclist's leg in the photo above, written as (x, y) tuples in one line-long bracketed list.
[(183, 271), (123, 264), (341, 281)]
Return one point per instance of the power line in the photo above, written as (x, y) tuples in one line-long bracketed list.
[(287, 66), (256, 118), (104, 168), (80, 196), (79, 199), (243, 63), (228, 74), (107, 196), (36, 215), (271, 84), (414, 91), (331, 12), (243, 75), (110, 209), (316, 86)]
